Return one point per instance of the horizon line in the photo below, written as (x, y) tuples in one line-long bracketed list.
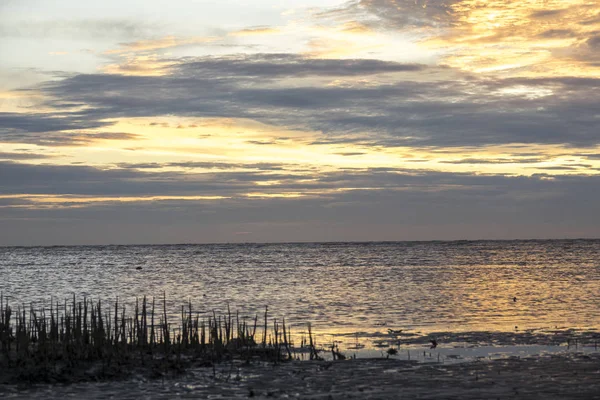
[(306, 242)]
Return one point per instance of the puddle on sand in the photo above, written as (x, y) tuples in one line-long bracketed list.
[(461, 347), (463, 352)]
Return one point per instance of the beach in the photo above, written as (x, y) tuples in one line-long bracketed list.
[(561, 364), (515, 319)]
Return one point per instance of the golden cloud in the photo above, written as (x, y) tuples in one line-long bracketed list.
[(338, 48), (355, 27), (142, 65), (259, 30), (157, 44), (211, 144), (71, 201), (520, 38)]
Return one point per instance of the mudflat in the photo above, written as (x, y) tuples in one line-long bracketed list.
[(564, 376)]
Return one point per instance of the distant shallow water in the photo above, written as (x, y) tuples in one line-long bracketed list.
[(341, 288)]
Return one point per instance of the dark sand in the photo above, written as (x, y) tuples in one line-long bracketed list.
[(565, 376)]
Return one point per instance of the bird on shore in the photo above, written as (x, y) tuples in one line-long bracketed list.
[(514, 299), (433, 344)]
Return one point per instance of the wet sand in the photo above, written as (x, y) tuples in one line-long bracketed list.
[(565, 376)]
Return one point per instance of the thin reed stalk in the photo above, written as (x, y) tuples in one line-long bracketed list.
[(35, 343)]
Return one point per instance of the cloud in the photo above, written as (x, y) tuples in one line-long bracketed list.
[(157, 44), (399, 13), (55, 129), (499, 36), (395, 109), (356, 27), (548, 14), (288, 65), (517, 85), (140, 65), (255, 31), (351, 154), (558, 34), (594, 42), (406, 206), (36, 122), (238, 181), (81, 28), (208, 165), (495, 161), (131, 180), (23, 156), (594, 20)]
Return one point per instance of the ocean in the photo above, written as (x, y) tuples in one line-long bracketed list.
[(340, 288)]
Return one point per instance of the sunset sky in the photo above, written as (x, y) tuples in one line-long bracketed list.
[(193, 121)]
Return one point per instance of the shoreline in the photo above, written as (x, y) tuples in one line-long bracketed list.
[(121, 361)]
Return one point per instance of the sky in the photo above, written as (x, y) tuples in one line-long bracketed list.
[(197, 121)]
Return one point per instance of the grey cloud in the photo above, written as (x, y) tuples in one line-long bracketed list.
[(261, 142), (55, 129), (136, 180), (224, 165), (591, 156), (35, 122), (568, 83), (543, 14), (12, 202), (73, 138), (59, 129), (139, 165), (86, 28), (591, 21), (110, 136), (594, 42), (201, 165), (581, 165), (289, 65), (350, 154), (457, 207), (558, 33), (23, 156), (18, 178), (82, 180), (495, 161), (400, 13), (398, 112), (558, 168), (588, 49)]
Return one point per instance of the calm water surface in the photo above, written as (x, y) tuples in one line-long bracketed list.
[(339, 287)]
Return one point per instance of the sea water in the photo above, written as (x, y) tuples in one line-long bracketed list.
[(340, 288)]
